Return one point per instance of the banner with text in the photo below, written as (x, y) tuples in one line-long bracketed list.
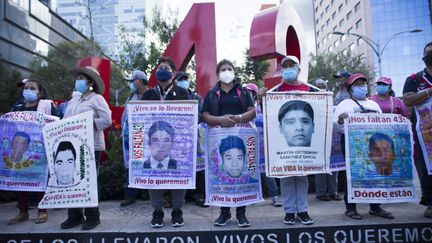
[(70, 152), (23, 163), (163, 144), (232, 172), (424, 131), (297, 133), (379, 156)]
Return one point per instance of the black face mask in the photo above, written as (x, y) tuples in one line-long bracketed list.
[(427, 59)]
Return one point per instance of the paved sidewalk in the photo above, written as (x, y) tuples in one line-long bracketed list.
[(136, 217)]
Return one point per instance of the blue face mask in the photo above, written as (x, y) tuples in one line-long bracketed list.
[(81, 85), (359, 92), (30, 95), (382, 89), (183, 84), (163, 75), (289, 74), (132, 87)]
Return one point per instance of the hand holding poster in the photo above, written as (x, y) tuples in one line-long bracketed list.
[(163, 144), (23, 163), (232, 172), (69, 146), (379, 149), (297, 130), (424, 131)]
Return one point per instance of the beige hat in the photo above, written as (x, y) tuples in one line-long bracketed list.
[(93, 74)]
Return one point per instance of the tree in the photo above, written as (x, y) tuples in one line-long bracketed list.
[(134, 53), (326, 64), (53, 70), (252, 70), (8, 90)]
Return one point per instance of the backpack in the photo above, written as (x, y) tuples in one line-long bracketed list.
[(215, 100)]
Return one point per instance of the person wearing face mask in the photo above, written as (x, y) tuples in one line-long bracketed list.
[(358, 103), (91, 86), (226, 104), (417, 90), (341, 82), (326, 185), (294, 189), (166, 89), (138, 84), (197, 194), (387, 103), (34, 99)]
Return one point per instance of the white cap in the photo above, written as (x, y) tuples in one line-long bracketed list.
[(290, 58)]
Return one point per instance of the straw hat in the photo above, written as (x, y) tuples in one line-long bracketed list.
[(93, 74)]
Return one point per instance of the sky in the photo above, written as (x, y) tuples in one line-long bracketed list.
[(234, 19)]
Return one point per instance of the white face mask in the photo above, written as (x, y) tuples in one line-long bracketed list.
[(226, 76)]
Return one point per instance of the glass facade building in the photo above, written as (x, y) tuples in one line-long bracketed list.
[(403, 54), (107, 16), (28, 29), (379, 21)]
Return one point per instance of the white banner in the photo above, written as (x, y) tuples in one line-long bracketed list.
[(163, 144), (297, 133), (69, 145)]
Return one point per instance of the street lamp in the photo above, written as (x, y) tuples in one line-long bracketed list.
[(376, 46)]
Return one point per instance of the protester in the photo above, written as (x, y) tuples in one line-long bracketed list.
[(226, 104), (89, 83), (326, 185), (417, 91), (358, 103), (341, 82), (166, 89), (198, 194), (34, 99), (294, 189), (388, 103), (270, 181), (138, 84)]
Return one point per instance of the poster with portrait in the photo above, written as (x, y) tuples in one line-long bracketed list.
[(424, 131), (379, 156), (163, 144), (23, 163), (297, 133), (232, 172), (70, 152), (202, 138), (337, 161)]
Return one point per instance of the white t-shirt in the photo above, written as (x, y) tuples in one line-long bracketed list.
[(350, 106)]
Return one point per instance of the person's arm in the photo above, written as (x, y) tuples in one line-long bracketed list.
[(413, 99), (224, 121), (103, 119), (404, 109), (245, 116)]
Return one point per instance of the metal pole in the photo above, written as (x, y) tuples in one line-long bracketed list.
[(91, 27)]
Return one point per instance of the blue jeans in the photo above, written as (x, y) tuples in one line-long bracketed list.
[(294, 193), (271, 184), (326, 184)]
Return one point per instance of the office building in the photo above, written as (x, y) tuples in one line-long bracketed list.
[(28, 29), (379, 21), (107, 17)]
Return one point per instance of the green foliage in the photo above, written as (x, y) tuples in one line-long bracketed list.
[(8, 90), (326, 64), (53, 70), (252, 70), (134, 53), (112, 173)]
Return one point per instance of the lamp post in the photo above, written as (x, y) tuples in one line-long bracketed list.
[(376, 46)]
